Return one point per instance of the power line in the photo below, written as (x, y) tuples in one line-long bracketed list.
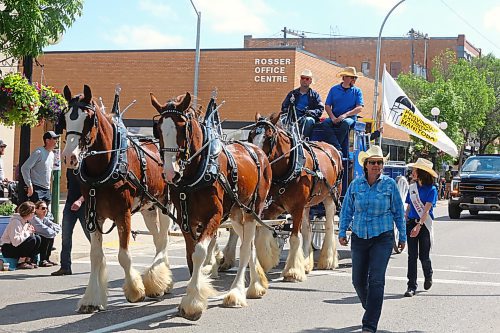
[(470, 25)]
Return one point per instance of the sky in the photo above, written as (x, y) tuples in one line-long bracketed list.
[(171, 24)]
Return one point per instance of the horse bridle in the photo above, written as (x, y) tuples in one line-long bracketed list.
[(183, 153), (73, 107), (260, 127)]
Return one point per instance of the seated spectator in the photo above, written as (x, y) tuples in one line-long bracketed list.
[(19, 238), (47, 230)]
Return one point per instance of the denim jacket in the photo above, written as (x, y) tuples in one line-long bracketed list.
[(315, 107)]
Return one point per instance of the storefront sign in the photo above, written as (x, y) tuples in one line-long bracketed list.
[(271, 70)]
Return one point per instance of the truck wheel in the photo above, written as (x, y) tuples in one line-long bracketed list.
[(473, 212), (454, 211)]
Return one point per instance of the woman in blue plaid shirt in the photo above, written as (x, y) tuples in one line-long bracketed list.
[(371, 206)]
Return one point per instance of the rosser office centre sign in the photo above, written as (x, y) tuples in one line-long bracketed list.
[(271, 70)]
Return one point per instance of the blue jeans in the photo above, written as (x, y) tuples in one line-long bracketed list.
[(68, 225), (340, 133), (418, 247), (369, 263), (306, 125)]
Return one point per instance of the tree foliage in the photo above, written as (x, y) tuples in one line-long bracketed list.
[(467, 93), (27, 26)]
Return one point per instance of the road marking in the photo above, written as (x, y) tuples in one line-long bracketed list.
[(465, 257), (451, 271), (116, 263), (403, 278), (119, 326)]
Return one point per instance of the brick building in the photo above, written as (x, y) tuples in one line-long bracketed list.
[(360, 52), (248, 80)]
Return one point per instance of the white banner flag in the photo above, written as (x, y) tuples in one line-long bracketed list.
[(401, 113)]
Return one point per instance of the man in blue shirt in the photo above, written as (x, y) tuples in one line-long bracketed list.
[(308, 105), (343, 104)]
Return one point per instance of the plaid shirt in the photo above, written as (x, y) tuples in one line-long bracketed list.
[(372, 210)]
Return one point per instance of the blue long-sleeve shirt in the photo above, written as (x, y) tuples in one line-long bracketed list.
[(372, 210)]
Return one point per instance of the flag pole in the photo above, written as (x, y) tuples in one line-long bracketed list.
[(382, 106)]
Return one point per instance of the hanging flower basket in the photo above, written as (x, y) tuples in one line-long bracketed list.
[(19, 101), (52, 103)]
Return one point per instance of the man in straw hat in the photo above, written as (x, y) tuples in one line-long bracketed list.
[(371, 207), (308, 104), (421, 199), (343, 103)]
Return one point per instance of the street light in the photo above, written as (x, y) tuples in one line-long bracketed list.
[(377, 65), (197, 57), (435, 114)]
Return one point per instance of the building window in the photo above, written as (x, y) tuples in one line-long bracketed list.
[(365, 68), (395, 68)]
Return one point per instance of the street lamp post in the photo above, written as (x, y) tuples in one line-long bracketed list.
[(197, 56), (442, 125), (377, 65)]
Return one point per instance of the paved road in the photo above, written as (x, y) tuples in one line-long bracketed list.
[(465, 296)]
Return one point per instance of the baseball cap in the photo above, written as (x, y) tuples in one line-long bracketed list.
[(50, 135), (2, 144)]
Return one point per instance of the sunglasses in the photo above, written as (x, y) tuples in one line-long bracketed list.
[(305, 78), (42, 208), (375, 162)]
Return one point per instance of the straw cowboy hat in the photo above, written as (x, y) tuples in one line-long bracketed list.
[(425, 165), (348, 71), (308, 73), (373, 152)]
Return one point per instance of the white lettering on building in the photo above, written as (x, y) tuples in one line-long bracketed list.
[(271, 70)]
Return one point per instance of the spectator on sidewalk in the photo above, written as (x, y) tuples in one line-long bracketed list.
[(74, 209), (47, 230), (19, 238), (37, 170)]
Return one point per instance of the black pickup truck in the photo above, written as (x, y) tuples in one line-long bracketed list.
[(477, 187)]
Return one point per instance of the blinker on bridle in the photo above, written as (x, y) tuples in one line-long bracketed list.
[(182, 152), (73, 107)]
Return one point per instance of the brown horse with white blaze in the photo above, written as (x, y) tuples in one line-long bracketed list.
[(236, 186), (107, 186), (295, 190)]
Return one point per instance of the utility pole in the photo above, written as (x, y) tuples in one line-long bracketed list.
[(297, 33), (412, 38), (284, 36)]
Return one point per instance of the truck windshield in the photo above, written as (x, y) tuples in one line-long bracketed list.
[(482, 164)]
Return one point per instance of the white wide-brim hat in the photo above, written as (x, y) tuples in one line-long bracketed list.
[(373, 152), (424, 164)]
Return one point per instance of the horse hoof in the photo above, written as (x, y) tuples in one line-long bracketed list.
[(86, 309), (157, 295), (224, 267), (193, 316), (140, 299)]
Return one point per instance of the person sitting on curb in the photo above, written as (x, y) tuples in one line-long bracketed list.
[(19, 238), (47, 230)]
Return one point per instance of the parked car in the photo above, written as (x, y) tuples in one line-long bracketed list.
[(477, 187)]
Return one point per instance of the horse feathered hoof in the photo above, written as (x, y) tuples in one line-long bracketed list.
[(192, 316), (86, 309), (234, 299)]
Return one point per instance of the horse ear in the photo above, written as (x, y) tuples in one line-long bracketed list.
[(274, 117), (67, 93), (257, 116), (87, 94), (155, 103), (185, 102)]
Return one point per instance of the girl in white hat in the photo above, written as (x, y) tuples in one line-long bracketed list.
[(421, 199)]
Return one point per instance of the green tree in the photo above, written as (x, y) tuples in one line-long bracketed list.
[(27, 26), (489, 135)]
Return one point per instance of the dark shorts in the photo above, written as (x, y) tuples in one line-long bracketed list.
[(40, 193)]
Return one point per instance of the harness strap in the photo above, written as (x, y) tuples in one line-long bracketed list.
[(255, 158), (92, 224)]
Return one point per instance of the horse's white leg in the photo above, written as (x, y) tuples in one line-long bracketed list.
[(199, 288), (258, 279), (306, 243), (294, 268), (267, 248), (210, 265), (328, 258), (157, 278), (96, 294), (236, 296), (229, 252)]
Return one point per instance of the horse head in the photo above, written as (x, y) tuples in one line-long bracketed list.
[(265, 132), (175, 133), (80, 121)]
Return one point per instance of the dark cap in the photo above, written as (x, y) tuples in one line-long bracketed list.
[(50, 135), (2, 144)]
